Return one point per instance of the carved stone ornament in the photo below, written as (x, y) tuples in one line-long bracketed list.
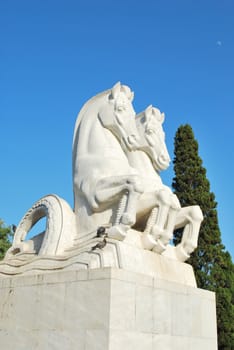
[(122, 210)]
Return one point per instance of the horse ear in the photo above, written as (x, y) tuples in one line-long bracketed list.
[(128, 92), (158, 115), (163, 117), (148, 113), (115, 90), (131, 97)]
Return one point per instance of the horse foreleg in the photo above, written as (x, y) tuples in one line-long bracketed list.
[(160, 224), (167, 212), (148, 240), (163, 200), (129, 215), (190, 218), (126, 213), (171, 219)]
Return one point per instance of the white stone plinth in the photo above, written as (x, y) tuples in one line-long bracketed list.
[(106, 309)]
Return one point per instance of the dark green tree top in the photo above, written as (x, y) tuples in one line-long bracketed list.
[(212, 264)]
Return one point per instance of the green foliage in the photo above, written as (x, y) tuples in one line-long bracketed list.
[(5, 235), (212, 265)]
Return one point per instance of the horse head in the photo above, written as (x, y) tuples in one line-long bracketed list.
[(149, 125), (118, 116)]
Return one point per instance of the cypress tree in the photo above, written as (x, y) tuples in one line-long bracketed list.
[(212, 264), (5, 235)]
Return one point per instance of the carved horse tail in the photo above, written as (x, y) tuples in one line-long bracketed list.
[(60, 228)]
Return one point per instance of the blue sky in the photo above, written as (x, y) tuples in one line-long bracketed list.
[(54, 55)]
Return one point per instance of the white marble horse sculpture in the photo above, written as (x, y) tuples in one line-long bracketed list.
[(106, 188), (117, 158), (157, 201), (151, 158)]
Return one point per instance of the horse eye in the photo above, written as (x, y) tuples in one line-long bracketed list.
[(149, 131), (120, 108)]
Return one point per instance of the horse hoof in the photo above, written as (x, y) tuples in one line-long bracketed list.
[(159, 248), (148, 241), (117, 232), (156, 232), (128, 219), (181, 254)]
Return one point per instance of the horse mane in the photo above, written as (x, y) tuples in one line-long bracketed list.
[(79, 118), (83, 110), (89, 104)]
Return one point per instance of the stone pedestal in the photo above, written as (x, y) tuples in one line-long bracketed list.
[(106, 309)]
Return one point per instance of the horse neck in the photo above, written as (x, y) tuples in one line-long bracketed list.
[(140, 161), (95, 140)]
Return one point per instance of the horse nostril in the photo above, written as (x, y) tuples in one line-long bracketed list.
[(164, 158), (132, 139)]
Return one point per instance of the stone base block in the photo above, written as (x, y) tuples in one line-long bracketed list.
[(106, 309)]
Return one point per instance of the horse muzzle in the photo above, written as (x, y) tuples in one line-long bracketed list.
[(163, 161), (132, 142)]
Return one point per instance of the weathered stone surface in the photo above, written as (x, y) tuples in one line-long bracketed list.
[(128, 255), (102, 309)]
